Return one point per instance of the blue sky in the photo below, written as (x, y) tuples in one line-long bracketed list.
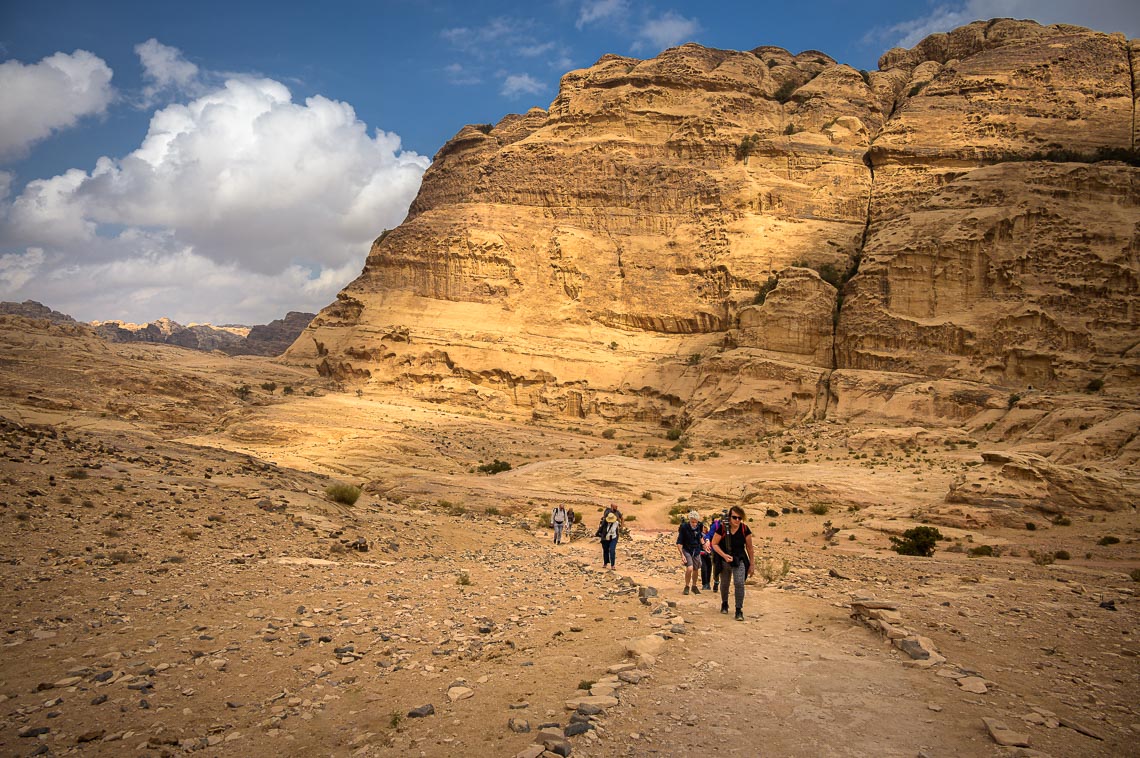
[(229, 162)]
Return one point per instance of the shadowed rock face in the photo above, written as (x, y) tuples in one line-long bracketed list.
[(603, 259)]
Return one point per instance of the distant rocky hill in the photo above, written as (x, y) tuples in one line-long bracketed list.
[(32, 309), (269, 339), (736, 242)]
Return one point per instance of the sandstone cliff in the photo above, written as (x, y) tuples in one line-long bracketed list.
[(731, 240)]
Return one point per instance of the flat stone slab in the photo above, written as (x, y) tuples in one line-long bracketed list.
[(1003, 735), (600, 701)]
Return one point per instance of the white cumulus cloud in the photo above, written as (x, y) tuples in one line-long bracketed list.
[(238, 205), (593, 11), (165, 69), (666, 30), (516, 85), (41, 98)]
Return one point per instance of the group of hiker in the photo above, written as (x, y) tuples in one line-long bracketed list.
[(721, 553)]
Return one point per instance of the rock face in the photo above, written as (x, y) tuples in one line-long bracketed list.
[(270, 339), (714, 238), (34, 310)]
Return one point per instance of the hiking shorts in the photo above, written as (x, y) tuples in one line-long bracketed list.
[(693, 559)]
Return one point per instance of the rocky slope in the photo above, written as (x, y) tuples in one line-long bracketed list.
[(730, 241)]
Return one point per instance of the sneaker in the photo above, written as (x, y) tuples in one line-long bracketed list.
[(686, 592), (695, 590), (704, 586), (724, 607), (739, 614)]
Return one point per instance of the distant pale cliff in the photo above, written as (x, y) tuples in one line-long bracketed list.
[(746, 240), (268, 339)]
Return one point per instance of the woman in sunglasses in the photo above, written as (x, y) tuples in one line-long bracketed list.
[(733, 543)]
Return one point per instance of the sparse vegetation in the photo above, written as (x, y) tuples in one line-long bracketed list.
[(1041, 559), (287, 390), (1062, 521), (346, 494), (1108, 540), (608, 434), (464, 579), (76, 473), (980, 551), (495, 467), (771, 569), (631, 518), (866, 76), (765, 289), (1096, 385), (920, 541), (674, 433), (1013, 400), (746, 146), (1030, 526), (917, 88), (242, 391), (1135, 574), (819, 509), (1062, 555), (269, 386), (694, 359)]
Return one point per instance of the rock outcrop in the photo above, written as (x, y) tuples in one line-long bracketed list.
[(715, 238)]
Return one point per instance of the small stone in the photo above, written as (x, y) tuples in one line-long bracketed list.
[(422, 712), (1003, 735), (601, 702), (631, 677), (32, 731), (519, 726), (557, 745), (580, 727), (518, 706), (531, 751), (974, 684), (459, 693), (96, 734)]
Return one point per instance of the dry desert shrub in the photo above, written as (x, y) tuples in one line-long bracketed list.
[(346, 494), (771, 569)]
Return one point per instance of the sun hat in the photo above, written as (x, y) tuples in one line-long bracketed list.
[(611, 518)]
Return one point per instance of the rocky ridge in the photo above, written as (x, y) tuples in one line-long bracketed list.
[(722, 241), (267, 339)]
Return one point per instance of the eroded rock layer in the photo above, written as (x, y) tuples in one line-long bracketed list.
[(715, 239)]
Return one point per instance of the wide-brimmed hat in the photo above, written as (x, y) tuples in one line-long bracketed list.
[(611, 518)]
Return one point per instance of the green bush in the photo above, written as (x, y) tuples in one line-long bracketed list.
[(1096, 385), (866, 76), (674, 433), (771, 513), (269, 386), (746, 146), (920, 541), (1062, 555), (981, 550), (916, 88), (287, 390), (495, 467), (819, 509), (1030, 526), (242, 391), (765, 289), (1108, 540), (1062, 521), (608, 434), (630, 518), (1013, 400), (346, 494), (1135, 574)]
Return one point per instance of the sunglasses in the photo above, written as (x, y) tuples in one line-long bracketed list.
[(735, 517)]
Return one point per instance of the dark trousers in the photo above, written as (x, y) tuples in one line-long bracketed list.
[(609, 552), (706, 569)]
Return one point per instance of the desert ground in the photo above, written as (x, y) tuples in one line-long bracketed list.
[(176, 578)]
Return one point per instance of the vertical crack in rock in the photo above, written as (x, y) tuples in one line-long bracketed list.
[(1132, 87)]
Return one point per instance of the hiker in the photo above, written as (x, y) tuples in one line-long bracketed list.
[(706, 561), (559, 519), (717, 563), (689, 535), (608, 533), (569, 524), (733, 543)]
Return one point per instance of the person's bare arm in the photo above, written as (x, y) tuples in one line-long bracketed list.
[(716, 547)]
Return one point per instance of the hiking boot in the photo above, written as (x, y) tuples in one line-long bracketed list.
[(695, 590), (716, 587), (686, 592), (724, 607), (739, 615), (705, 586)]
